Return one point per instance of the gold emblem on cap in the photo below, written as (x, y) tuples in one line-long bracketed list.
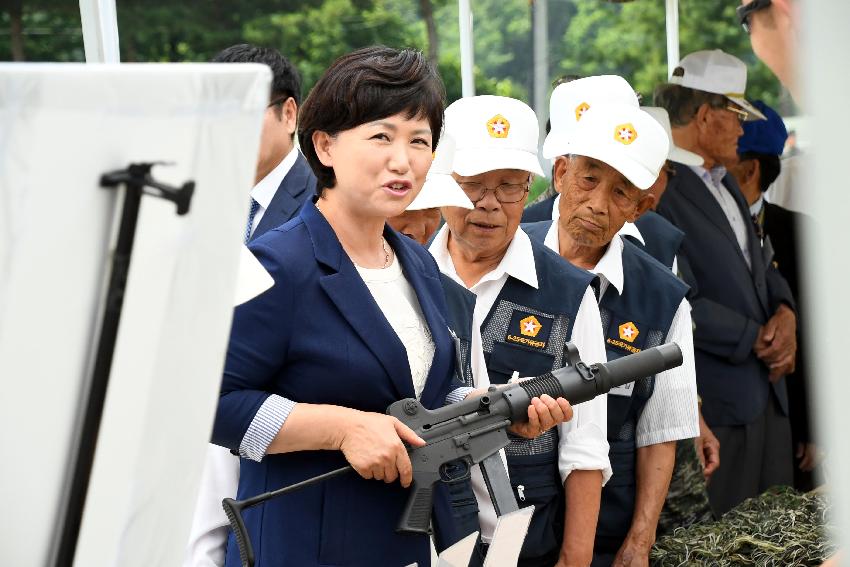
[(530, 326), (581, 109), (629, 332), (625, 134), (498, 126)]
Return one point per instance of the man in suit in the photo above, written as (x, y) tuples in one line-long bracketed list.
[(743, 310), (759, 151), (283, 181)]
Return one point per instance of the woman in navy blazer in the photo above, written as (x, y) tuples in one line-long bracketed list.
[(313, 363)]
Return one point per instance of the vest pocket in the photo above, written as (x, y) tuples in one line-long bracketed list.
[(536, 481), (507, 359)]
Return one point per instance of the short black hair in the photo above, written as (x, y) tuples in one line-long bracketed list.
[(682, 103), (769, 168), (286, 82), (366, 85)]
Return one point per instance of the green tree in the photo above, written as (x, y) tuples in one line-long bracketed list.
[(630, 40)]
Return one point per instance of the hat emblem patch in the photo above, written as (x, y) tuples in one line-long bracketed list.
[(628, 332), (625, 134), (530, 326), (498, 127), (581, 109)]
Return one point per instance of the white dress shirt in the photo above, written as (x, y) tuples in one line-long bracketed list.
[(671, 412), (583, 443), (264, 191), (713, 181)]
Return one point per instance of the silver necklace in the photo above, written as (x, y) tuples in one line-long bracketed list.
[(384, 246)]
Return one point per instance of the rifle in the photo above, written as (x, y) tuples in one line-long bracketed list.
[(474, 430)]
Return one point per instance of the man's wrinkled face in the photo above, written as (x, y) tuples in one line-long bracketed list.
[(596, 200), (418, 225), (488, 229), (719, 134)]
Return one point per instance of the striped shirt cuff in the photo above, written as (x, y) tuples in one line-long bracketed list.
[(458, 394), (264, 427)]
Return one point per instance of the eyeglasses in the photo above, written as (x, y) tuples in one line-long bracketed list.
[(744, 12), (742, 114), (504, 193)]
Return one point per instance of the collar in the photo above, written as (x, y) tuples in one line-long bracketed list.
[(755, 208), (715, 174), (631, 229), (610, 266), (518, 261), (556, 211), (263, 192)]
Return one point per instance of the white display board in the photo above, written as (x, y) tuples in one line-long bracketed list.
[(61, 127)]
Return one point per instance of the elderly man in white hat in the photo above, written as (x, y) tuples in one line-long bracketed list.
[(529, 304), (745, 334), (569, 100), (606, 164)]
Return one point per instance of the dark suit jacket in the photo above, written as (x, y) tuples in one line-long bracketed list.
[(784, 228), (317, 336), (540, 211), (730, 302), (298, 185)]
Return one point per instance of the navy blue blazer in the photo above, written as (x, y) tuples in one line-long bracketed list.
[(730, 301), (297, 186), (317, 336)]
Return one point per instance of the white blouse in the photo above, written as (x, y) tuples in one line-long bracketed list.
[(397, 300)]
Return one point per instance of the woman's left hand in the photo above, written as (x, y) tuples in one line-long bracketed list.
[(544, 413)]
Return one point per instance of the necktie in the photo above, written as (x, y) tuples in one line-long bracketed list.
[(758, 221), (251, 214)]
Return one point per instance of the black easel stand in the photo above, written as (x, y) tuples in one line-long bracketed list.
[(138, 181)]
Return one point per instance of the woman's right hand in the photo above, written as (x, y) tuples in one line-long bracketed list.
[(373, 444)]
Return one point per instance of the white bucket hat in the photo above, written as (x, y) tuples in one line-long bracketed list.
[(717, 72), (493, 132), (626, 138), (677, 154), (569, 102), (441, 189)]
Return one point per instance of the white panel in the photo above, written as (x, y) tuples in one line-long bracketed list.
[(61, 127), (825, 84)]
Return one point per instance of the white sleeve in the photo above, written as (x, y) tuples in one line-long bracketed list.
[(583, 440), (208, 538), (671, 412)]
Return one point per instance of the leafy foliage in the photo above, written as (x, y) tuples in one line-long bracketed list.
[(585, 36)]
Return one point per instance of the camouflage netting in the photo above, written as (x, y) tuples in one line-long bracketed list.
[(780, 527)]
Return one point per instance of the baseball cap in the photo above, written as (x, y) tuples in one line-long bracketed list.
[(441, 189), (569, 102), (765, 136), (626, 138), (493, 132), (715, 71), (677, 154)]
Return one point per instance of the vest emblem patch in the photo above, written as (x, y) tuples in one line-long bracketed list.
[(529, 329), (628, 332), (498, 127), (624, 336), (530, 326)]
